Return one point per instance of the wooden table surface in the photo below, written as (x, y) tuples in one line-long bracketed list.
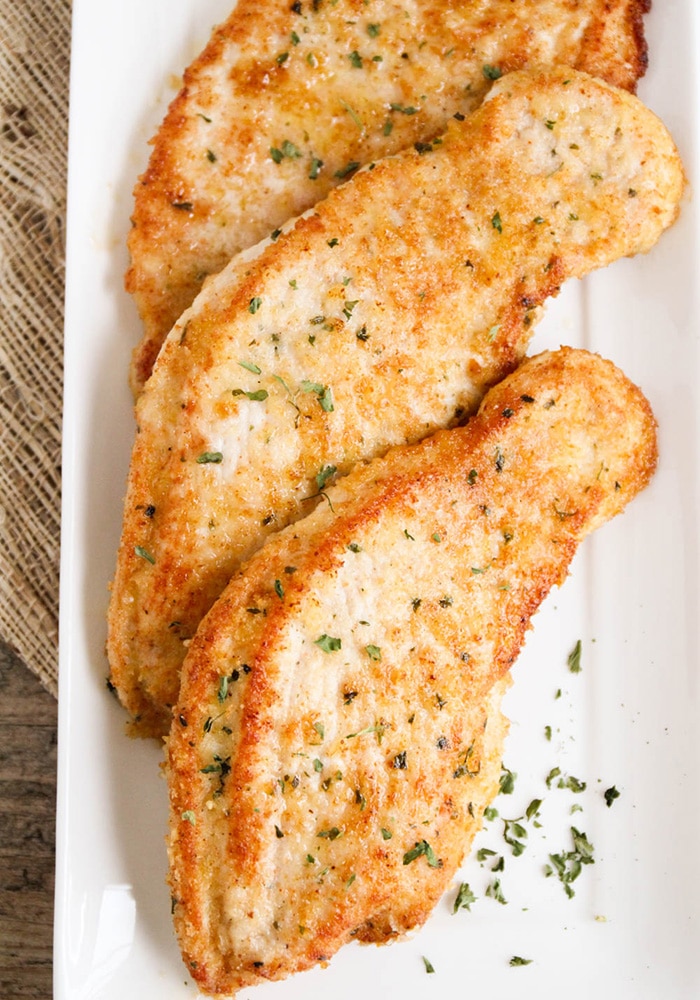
[(28, 717)]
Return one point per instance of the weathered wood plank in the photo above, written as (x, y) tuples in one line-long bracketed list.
[(34, 983), (21, 694), (27, 831), (26, 837), (27, 753)]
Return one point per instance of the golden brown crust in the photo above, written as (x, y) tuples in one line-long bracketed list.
[(340, 87), (336, 690), (381, 316)]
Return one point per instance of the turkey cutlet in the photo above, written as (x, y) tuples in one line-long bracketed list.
[(288, 99), (382, 315), (323, 759)]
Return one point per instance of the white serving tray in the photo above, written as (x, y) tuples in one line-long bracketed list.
[(630, 718)]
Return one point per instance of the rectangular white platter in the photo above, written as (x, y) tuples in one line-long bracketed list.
[(629, 719)]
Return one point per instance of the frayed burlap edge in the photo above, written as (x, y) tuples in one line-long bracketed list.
[(34, 61)]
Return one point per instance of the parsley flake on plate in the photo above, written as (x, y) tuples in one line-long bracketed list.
[(464, 898)]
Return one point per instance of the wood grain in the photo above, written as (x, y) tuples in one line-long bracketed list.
[(28, 716)]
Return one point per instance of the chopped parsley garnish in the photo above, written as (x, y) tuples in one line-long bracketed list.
[(378, 729), (506, 783), (428, 965), (249, 366), (610, 795), (374, 652), (254, 304), (533, 809), (210, 458), (189, 816), (493, 889), (144, 554), (323, 392), (328, 643), (492, 72), (315, 168), (573, 660), (568, 864), (404, 109), (465, 767), (464, 898), (286, 151), (324, 474), (353, 114), (345, 171), (554, 773), (331, 834), (512, 830), (279, 589), (355, 59), (493, 332), (573, 784), (223, 690), (422, 849), (386, 834), (517, 960), (256, 397), (373, 30), (496, 222)]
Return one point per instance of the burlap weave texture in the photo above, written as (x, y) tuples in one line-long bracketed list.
[(34, 63)]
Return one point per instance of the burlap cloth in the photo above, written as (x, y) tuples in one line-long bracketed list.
[(34, 62)]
